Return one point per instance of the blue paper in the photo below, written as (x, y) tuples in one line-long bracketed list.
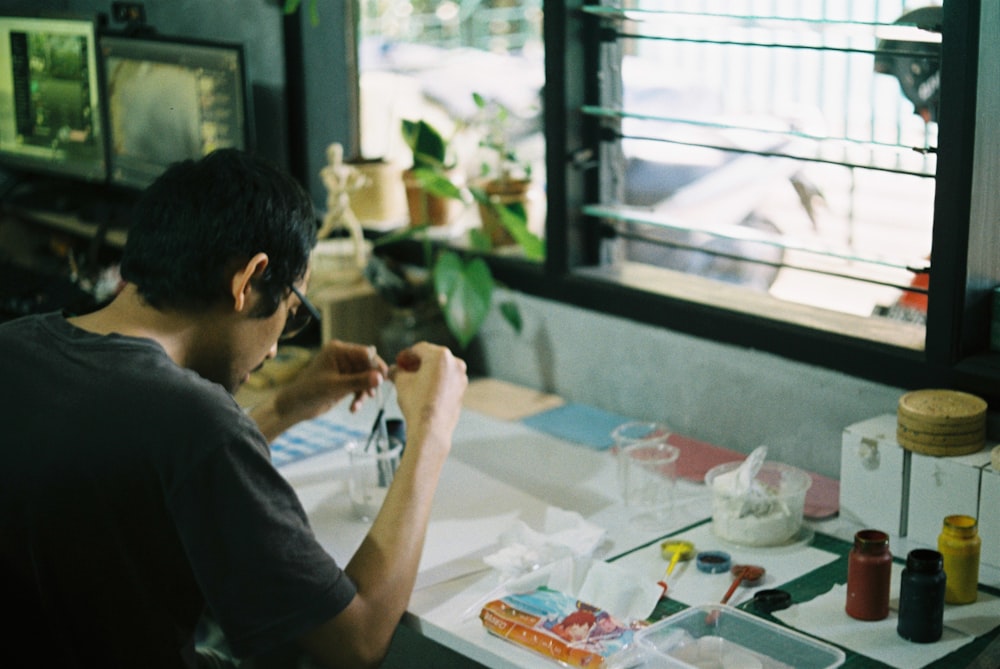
[(309, 438), (579, 423)]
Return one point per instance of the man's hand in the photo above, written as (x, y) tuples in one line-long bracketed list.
[(430, 382), (339, 369)]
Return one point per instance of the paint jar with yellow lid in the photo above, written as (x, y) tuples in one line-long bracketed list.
[(959, 545)]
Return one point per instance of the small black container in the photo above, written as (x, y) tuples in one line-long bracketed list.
[(921, 596)]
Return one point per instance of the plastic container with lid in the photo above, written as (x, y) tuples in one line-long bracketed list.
[(714, 635), (770, 517)]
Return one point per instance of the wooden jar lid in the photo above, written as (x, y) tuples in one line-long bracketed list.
[(943, 407), (941, 422)]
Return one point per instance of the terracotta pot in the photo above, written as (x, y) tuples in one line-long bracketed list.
[(506, 192), (426, 208), (381, 199)]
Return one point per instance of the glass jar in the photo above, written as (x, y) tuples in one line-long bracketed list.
[(869, 573), (959, 545), (921, 596)]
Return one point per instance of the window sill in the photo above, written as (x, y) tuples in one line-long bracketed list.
[(709, 293)]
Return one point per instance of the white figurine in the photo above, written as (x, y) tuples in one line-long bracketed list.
[(340, 180)]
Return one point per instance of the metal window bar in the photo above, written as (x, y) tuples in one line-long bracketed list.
[(757, 63)]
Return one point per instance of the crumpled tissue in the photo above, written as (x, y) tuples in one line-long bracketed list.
[(560, 558), (565, 534)]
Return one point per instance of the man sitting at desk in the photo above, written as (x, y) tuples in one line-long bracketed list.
[(135, 492)]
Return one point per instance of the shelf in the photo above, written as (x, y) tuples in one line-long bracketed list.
[(114, 237)]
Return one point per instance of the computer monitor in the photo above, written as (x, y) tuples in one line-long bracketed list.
[(170, 99), (50, 98)]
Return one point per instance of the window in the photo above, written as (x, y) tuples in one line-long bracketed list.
[(788, 153), (847, 192), (616, 65), (424, 59)]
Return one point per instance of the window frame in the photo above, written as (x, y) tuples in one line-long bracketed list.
[(957, 347)]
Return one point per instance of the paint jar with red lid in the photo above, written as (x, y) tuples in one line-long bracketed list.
[(869, 575)]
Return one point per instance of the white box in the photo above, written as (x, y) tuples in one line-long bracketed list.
[(939, 487), (871, 475), (989, 516)]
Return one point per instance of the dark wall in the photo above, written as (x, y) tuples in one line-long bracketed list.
[(297, 112)]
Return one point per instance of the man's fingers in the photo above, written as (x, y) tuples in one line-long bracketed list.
[(408, 361)]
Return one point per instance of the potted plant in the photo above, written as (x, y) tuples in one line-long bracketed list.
[(445, 285), (502, 189), (444, 289), (431, 193), (459, 290)]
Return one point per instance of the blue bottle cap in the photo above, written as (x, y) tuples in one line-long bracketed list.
[(713, 562)]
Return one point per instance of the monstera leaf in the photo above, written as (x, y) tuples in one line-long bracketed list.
[(464, 291)]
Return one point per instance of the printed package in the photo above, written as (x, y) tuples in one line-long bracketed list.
[(558, 626)]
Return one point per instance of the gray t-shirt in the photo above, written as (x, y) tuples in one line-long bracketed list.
[(133, 493)]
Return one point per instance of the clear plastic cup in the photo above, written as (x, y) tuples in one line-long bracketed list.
[(371, 474), (647, 471)]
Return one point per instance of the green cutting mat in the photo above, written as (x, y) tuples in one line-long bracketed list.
[(820, 581)]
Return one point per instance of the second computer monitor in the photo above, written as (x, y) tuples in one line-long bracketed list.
[(169, 100)]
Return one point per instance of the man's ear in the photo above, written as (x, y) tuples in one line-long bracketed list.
[(242, 280)]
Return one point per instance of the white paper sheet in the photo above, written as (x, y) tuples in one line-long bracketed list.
[(824, 616), (470, 512), (471, 509)]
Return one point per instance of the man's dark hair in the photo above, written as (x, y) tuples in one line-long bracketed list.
[(202, 219)]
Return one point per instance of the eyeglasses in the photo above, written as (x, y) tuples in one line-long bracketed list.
[(297, 320)]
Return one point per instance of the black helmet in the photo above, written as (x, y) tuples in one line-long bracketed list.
[(915, 64)]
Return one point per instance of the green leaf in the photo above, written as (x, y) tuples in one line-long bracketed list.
[(436, 183), (400, 235), (292, 6), (465, 292), (427, 144), (480, 241), (512, 315), (514, 218)]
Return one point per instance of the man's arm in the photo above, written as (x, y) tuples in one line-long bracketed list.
[(430, 383), (337, 370)]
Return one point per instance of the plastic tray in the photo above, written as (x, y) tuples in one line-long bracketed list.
[(719, 636)]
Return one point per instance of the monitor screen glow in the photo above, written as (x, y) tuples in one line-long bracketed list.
[(170, 100), (50, 104)]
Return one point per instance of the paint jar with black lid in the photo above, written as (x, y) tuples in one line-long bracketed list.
[(921, 596)]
